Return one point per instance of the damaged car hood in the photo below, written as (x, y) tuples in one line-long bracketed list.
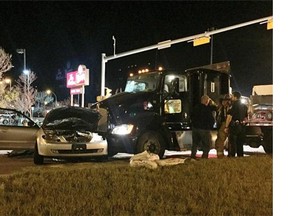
[(73, 118)]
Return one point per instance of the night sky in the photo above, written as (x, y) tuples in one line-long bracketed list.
[(54, 33)]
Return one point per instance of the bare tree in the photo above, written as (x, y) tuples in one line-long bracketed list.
[(41, 100), (65, 102), (5, 62), (8, 98), (5, 65), (27, 92)]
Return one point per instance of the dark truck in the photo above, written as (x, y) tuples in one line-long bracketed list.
[(153, 113)]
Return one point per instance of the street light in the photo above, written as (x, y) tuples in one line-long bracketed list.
[(22, 51), (48, 91), (8, 80), (26, 90), (27, 84)]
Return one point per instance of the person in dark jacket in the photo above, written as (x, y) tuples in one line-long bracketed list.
[(235, 125), (221, 121), (202, 124)]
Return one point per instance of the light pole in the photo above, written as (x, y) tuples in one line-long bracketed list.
[(48, 91), (22, 51), (8, 80), (26, 88), (27, 73), (211, 47)]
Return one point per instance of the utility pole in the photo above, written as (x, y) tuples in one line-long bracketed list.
[(168, 43), (114, 45), (211, 47)]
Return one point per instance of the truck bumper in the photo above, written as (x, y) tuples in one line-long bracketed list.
[(123, 144), (255, 135)]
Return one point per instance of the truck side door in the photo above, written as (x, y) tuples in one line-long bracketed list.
[(175, 102)]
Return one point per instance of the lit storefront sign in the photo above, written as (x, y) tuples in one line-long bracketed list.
[(78, 78), (74, 91), (76, 82)]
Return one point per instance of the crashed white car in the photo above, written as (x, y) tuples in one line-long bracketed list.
[(71, 132)]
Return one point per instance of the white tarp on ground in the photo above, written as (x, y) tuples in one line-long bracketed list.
[(152, 161), (5, 151)]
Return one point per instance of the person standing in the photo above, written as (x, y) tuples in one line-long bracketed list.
[(221, 120), (235, 125), (202, 124)]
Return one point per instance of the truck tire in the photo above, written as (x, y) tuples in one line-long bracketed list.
[(38, 159), (152, 142), (268, 142)]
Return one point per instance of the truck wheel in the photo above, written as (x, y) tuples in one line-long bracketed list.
[(152, 142), (38, 159), (268, 142)]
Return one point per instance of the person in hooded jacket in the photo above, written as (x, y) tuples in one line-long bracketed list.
[(235, 125), (202, 124)]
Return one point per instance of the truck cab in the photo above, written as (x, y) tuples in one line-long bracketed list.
[(153, 113)]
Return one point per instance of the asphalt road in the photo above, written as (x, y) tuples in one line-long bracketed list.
[(10, 165)]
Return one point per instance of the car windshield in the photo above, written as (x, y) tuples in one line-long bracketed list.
[(70, 118), (142, 82)]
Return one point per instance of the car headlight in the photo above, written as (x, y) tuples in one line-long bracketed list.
[(123, 129)]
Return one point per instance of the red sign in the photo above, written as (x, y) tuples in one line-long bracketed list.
[(74, 91), (77, 78)]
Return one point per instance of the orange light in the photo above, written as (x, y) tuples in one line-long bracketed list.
[(201, 40), (270, 24)]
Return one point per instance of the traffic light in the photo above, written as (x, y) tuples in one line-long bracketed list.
[(201, 40), (270, 24)]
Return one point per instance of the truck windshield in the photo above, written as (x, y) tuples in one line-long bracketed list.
[(142, 82)]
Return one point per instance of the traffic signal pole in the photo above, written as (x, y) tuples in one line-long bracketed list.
[(168, 43)]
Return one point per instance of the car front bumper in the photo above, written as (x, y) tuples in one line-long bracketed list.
[(96, 148)]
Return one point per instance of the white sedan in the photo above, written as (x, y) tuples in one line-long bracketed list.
[(71, 132)]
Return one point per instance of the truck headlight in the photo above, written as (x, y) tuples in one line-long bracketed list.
[(123, 129)]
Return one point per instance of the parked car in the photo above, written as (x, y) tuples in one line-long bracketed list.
[(71, 132), (17, 131)]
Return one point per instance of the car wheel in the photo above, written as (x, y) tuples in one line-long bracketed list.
[(152, 142), (268, 142), (38, 159), (111, 151)]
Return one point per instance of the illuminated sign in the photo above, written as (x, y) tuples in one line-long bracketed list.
[(74, 91), (78, 78)]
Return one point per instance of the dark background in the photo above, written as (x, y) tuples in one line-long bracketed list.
[(55, 33)]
